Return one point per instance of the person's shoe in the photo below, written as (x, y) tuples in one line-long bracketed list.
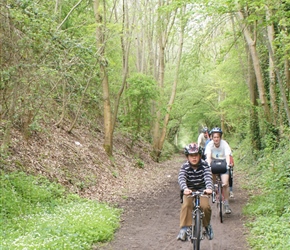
[(182, 234), (209, 232), (231, 194), (227, 208)]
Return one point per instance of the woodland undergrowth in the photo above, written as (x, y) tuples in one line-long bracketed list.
[(268, 209), (61, 191)]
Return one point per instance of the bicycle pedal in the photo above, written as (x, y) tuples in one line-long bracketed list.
[(204, 235)]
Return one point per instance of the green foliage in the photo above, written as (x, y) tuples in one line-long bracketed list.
[(22, 194), (270, 232), (218, 93), (168, 151), (140, 94), (51, 66), (269, 205), (140, 163), (38, 215), (270, 138), (213, 90)]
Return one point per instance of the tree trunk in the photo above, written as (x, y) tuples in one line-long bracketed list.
[(161, 68), (125, 45), (254, 119), (165, 24), (282, 90), (272, 78), (101, 44), (173, 92), (256, 64), (287, 75)]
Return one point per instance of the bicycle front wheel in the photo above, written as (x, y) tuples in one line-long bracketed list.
[(196, 230), (220, 203)]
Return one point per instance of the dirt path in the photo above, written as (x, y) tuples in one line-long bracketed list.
[(152, 221)]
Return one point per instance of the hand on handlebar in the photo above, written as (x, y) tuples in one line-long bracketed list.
[(187, 191), (207, 191), (229, 166)]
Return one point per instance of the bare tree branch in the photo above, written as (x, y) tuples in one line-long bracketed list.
[(72, 9)]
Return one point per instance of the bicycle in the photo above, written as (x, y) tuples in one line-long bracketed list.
[(195, 233), (219, 167), (218, 196)]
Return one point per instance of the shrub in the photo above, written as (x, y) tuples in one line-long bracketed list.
[(39, 215)]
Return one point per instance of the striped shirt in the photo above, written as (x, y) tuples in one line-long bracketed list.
[(198, 179)]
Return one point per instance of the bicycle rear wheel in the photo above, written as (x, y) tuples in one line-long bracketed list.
[(196, 230), (220, 202)]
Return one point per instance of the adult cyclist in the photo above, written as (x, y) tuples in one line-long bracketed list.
[(218, 148), (194, 175), (208, 139), (201, 140)]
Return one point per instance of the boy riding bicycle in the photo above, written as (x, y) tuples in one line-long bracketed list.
[(194, 175)]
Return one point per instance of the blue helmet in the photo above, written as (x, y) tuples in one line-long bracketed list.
[(216, 130)]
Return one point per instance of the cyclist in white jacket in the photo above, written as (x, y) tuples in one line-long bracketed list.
[(220, 149)]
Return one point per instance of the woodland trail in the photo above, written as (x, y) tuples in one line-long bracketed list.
[(151, 222)]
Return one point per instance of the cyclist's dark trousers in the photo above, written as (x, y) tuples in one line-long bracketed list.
[(230, 179), (186, 211)]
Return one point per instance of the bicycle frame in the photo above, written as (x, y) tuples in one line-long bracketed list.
[(195, 233), (219, 196)]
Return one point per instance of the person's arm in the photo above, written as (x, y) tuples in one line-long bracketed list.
[(208, 153), (228, 151), (232, 162), (208, 180), (208, 159), (182, 180), (228, 159), (199, 139)]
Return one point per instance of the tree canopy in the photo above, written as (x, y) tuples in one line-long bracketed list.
[(159, 69)]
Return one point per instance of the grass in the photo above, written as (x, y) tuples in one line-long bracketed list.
[(38, 214), (268, 209)]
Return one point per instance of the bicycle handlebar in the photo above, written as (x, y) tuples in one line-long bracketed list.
[(196, 193), (229, 167)]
